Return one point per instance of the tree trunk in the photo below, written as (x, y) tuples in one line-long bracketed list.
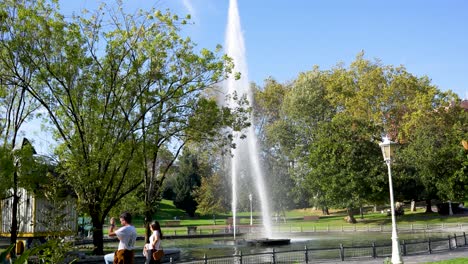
[(14, 218), (147, 222), (350, 218), (429, 206), (413, 206), (325, 210), (98, 234), (14, 211)]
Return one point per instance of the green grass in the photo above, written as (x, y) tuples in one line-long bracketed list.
[(451, 261), (167, 212)]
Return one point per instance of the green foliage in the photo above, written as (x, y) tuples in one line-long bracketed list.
[(434, 153), (208, 195), (280, 139), (189, 175), (119, 91), (6, 253), (346, 165), (7, 169), (323, 129), (53, 251)]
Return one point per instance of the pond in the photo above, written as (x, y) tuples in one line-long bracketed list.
[(196, 248)]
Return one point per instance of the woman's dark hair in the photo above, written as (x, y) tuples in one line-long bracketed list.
[(155, 226)]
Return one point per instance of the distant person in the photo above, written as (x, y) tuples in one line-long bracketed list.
[(127, 237), (154, 243)]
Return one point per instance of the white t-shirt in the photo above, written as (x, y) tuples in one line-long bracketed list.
[(127, 236), (152, 237)]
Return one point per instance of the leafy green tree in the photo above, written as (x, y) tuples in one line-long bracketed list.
[(291, 114), (306, 106), (214, 194), (188, 179), (19, 169), (208, 195), (346, 166), (435, 154), (118, 89), (389, 98), (16, 108), (364, 101)]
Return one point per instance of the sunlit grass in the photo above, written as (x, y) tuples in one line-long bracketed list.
[(451, 261), (294, 218)]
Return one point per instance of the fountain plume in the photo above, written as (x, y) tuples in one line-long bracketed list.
[(246, 151)]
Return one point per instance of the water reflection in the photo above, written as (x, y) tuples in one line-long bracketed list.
[(198, 247)]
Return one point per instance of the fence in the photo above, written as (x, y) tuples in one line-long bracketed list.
[(340, 253), (221, 230)]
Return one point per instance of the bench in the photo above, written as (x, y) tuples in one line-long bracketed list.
[(172, 223), (311, 218), (191, 230), (229, 221)]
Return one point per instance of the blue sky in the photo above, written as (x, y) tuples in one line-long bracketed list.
[(284, 38)]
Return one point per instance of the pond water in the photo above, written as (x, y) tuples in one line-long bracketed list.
[(196, 248)]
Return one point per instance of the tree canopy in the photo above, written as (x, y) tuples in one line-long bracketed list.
[(117, 89)]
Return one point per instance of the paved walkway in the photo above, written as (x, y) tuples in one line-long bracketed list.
[(452, 254)]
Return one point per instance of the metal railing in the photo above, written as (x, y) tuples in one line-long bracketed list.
[(340, 253), (203, 231)]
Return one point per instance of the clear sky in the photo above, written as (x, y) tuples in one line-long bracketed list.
[(284, 38)]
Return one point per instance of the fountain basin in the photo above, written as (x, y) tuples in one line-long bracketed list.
[(230, 242), (269, 241)]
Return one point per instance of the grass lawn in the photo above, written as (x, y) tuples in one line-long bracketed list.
[(451, 261), (168, 212)]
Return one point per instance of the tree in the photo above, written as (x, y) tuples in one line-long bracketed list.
[(385, 98), (199, 120), (306, 106), (363, 101), (434, 152), (208, 195), (345, 165), (117, 89), (189, 176), (16, 108), (291, 113), (19, 169)]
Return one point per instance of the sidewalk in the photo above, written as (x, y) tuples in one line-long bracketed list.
[(438, 256)]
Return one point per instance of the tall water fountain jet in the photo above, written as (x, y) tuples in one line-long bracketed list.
[(246, 151)]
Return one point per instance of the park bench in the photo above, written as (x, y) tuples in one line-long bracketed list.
[(229, 221), (311, 217), (172, 223)]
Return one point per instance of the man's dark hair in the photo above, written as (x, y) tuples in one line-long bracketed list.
[(127, 217)]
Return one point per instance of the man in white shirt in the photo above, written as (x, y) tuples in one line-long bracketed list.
[(127, 236)]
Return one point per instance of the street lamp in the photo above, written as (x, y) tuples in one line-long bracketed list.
[(388, 148), (251, 219)]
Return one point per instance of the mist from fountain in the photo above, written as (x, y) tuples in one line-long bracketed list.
[(246, 151)]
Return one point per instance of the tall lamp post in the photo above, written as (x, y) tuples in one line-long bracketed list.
[(388, 148), (251, 218)]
